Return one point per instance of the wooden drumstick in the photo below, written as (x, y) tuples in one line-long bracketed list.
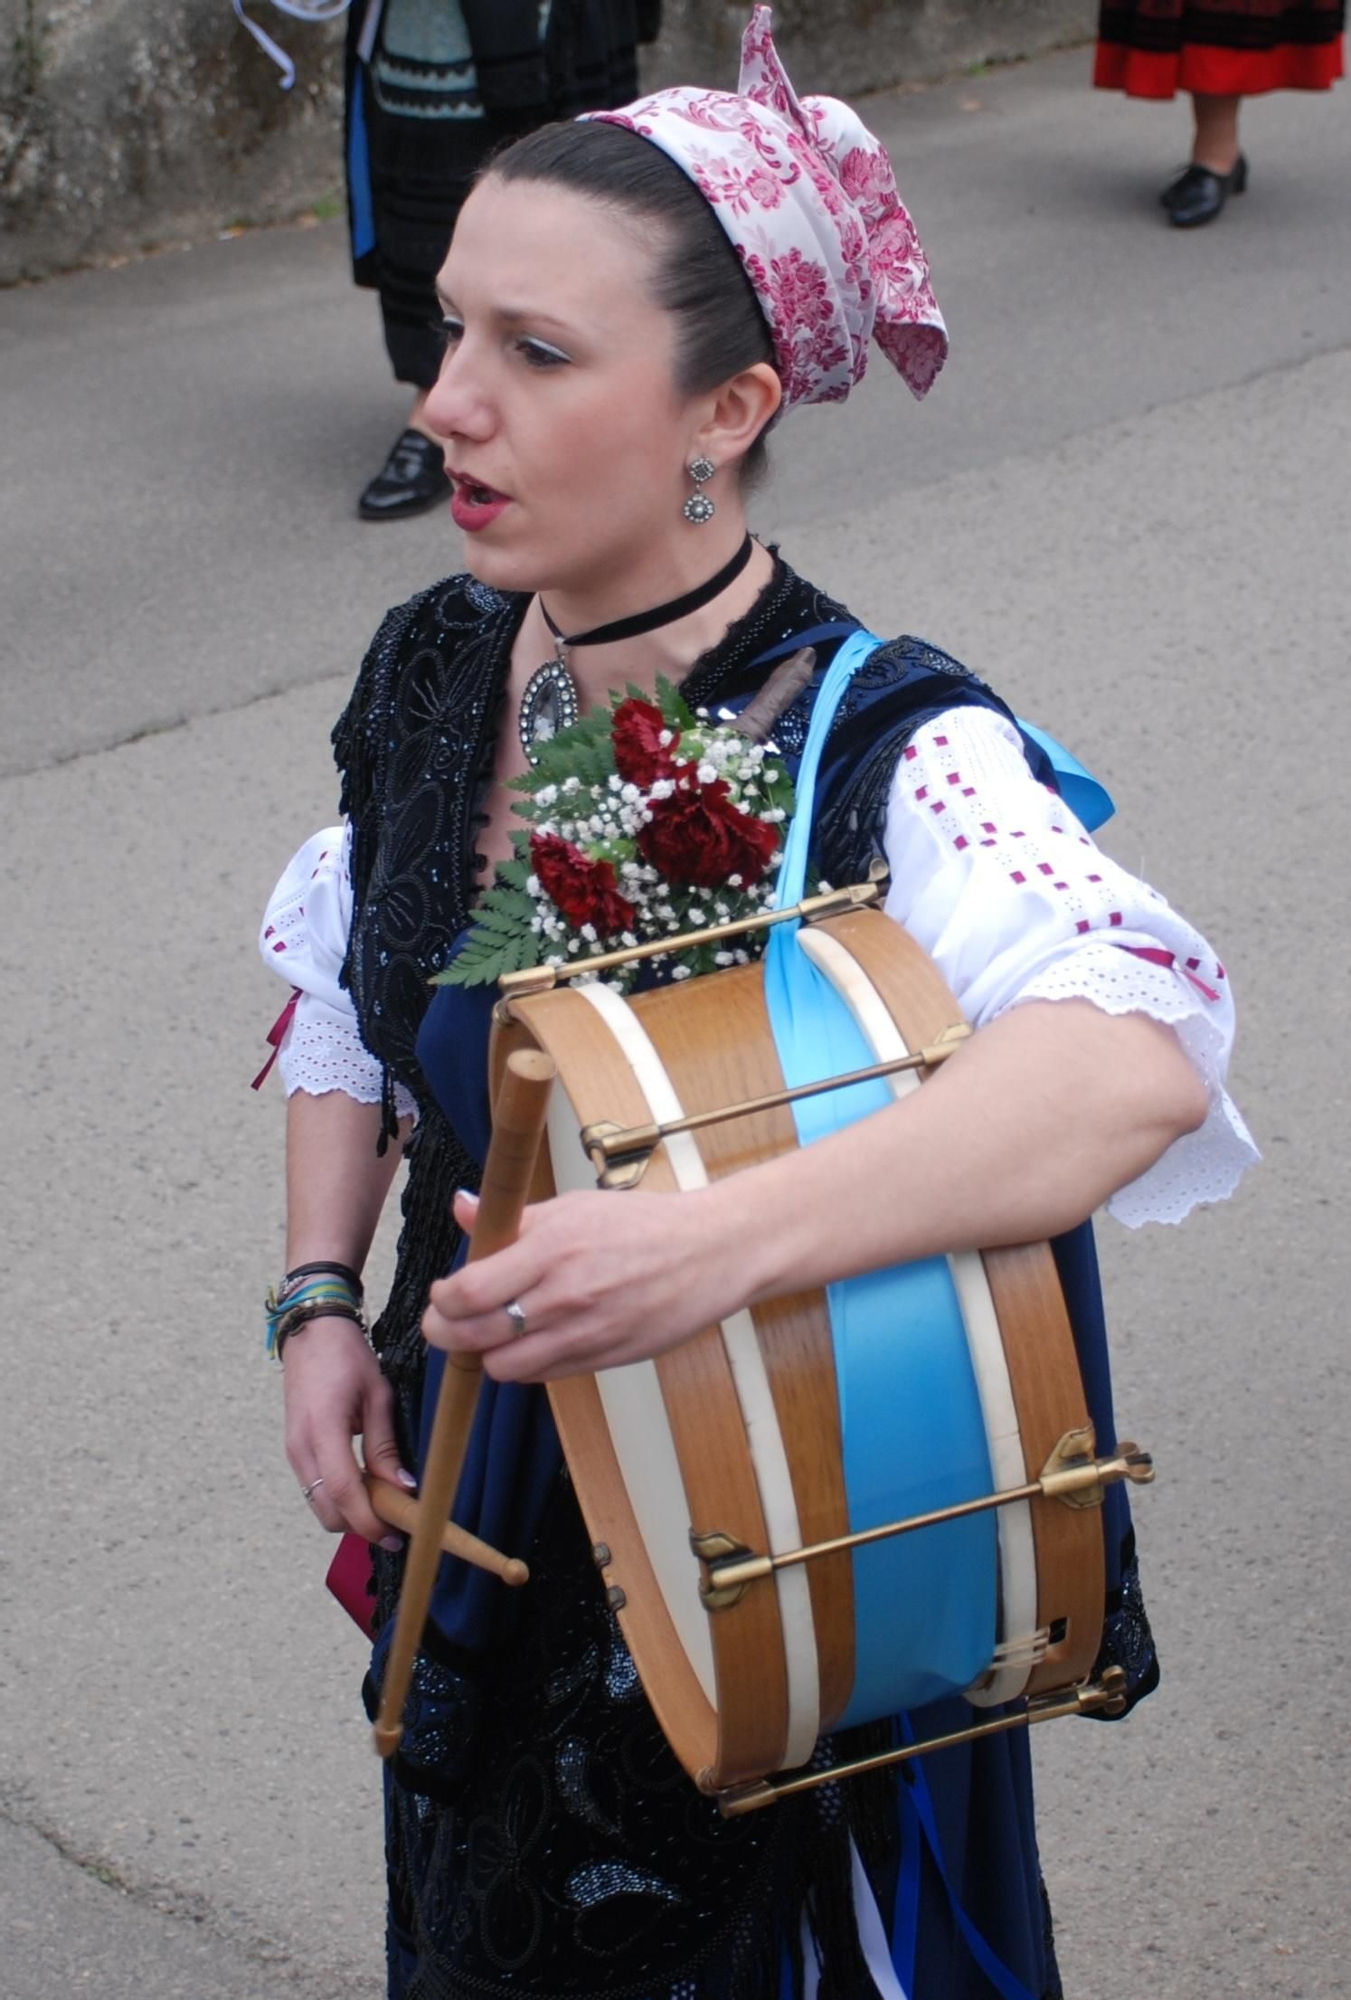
[(399, 1508), (780, 691), (518, 1127)]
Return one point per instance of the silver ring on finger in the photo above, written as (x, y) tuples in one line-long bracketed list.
[(515, 1312), (313, 1487)]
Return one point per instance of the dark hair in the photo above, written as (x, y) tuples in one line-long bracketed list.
[(720, 328)]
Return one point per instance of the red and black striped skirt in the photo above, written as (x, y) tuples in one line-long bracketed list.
[(1224, 48)]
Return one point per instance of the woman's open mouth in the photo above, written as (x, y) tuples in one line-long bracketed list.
[(473, 505)]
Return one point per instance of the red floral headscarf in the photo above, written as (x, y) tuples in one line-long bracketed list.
[(808, 199)]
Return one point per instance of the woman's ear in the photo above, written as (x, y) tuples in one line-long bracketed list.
[(739, 413)]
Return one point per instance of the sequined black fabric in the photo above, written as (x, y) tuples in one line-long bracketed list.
[(415, 747), (1054, 1989), (1127, 1641), (543, 1843)]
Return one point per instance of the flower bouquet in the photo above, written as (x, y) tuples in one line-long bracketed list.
[(646, 820)]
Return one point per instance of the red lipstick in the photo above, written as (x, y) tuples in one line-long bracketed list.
[(473, 505)]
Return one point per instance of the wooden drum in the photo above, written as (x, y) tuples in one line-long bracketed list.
[(810, 1418)]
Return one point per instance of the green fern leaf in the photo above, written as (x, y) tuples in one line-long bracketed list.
[(476, 964), (672, 703)]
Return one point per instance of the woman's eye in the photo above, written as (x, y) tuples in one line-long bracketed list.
[(540, 355), (536, 353)]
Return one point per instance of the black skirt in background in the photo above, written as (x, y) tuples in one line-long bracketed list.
[(446, 82)]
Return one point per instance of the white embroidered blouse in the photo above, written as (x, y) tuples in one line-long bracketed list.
[(990, 872)]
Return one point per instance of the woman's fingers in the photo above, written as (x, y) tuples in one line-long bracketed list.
[(601, 1280), (380, 1450), (478, 1289), (342, 1502), (316, 1496), (378, 1445), (550, 1357), (334, 1390), (477, 1333)]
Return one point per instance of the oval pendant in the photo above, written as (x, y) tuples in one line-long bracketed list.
[(550, 703)]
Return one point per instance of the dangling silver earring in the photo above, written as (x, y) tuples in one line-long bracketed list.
[(699, 508)]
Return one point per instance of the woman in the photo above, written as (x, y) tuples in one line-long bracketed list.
[(630, 302), (432, 87), (1221, 51)]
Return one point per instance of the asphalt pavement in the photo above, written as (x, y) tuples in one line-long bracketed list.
[(1128, 504)]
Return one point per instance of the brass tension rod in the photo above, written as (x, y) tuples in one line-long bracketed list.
[(1076, 1480), (606, 1143), (811, 910), (1107, 1694)]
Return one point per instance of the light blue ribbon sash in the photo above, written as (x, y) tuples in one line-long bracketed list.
[(912, 1430), (924, 1603)]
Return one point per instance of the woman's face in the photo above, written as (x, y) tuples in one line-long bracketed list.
[(565, 434)]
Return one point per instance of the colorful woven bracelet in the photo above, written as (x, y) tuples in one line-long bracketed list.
[(343, 1271), (296, 1317), (314, 1297)]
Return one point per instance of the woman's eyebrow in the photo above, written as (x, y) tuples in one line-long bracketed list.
[(513, 315), (534, 316)]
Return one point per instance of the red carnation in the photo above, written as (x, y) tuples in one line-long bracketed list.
[(586, 892), (698, 836), (640, 755)]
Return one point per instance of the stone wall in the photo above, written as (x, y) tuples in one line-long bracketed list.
[(126, 124), (130, 123), (852, 46)]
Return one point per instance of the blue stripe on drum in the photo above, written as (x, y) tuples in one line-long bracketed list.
[(912, 1427)]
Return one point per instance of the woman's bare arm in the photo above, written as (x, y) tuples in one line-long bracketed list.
[(336, 1185), (336, 1178), (1038, 1119)]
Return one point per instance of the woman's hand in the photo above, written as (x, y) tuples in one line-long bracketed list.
[(335, 1392), (601, 1278)]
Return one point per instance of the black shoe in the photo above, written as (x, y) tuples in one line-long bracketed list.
[(414, 479), (1199, 194)]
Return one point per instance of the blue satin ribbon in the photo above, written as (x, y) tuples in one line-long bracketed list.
[(917, 1820), (359, 170), (926, 1600), (940, 1580)]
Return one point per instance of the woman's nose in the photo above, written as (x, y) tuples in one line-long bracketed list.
[(456, 405)]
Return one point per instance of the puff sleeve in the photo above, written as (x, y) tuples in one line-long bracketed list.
[(303, 939), (999, 882)]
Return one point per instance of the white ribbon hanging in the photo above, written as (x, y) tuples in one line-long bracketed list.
[(299, 10)]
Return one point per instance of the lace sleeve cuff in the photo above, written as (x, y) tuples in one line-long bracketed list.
[(1201, 1166), (322, 1051)]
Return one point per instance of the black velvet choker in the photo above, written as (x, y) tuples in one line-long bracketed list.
[(551, 701)]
